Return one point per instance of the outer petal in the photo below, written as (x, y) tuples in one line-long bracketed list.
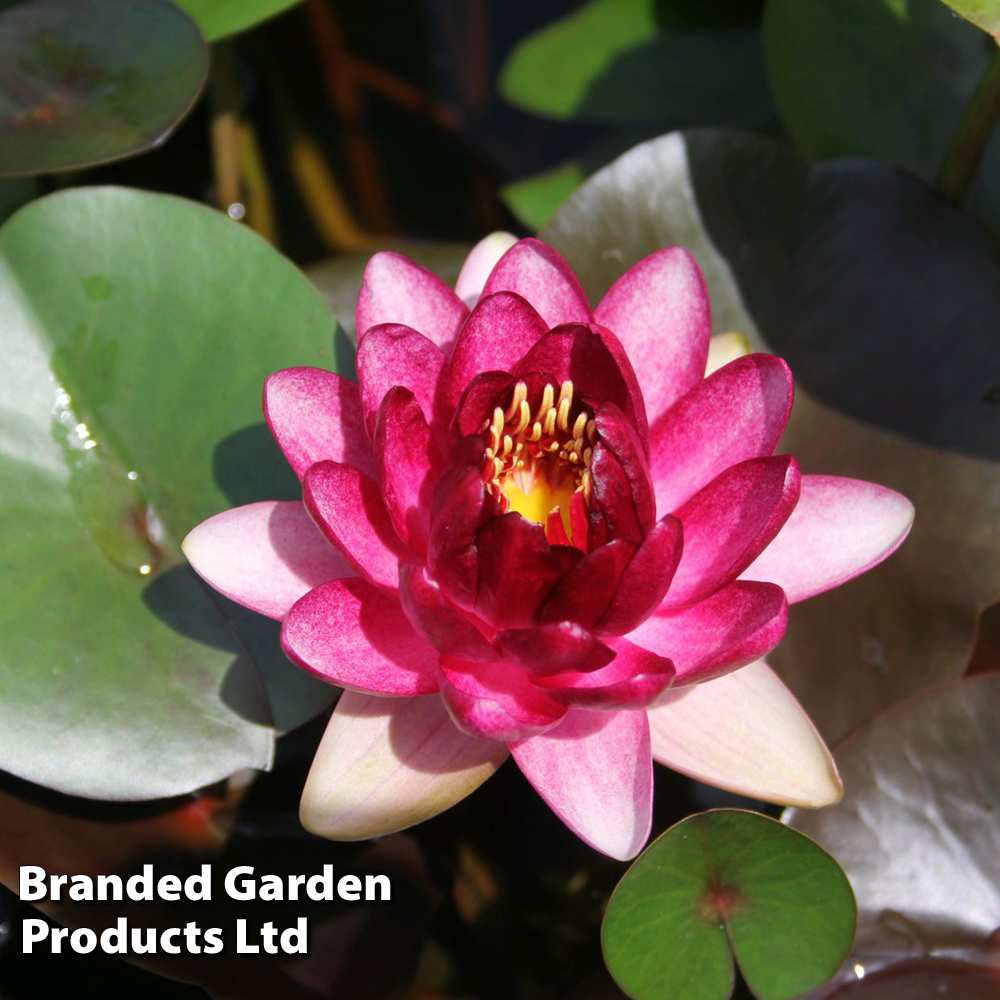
[(347, 506), (477, 267), (316, 415), (396, 355), (540, 275), (496, 700), (264, 556), (733, 627), (595, 772), (408, 465), (395, 290), (746, 733), (660, 312), (736, 414), (498, 332), (352, 634), (729, 522), (385, 764), (839, 529)]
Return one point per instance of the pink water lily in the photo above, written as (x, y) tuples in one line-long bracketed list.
[(537, 528)]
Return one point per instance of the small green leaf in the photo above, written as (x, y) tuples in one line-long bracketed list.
[(727, 884), (137, 332), (87, 81), (534, 199), (218, 18), (619, 61)]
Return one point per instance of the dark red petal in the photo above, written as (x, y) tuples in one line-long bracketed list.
[(396, 355), (495, 700), (517, 568), (479, 399), (347, 507), (461, 504), (618, 434), (612, 511), (634, 679), (432, 614), (409, 462), (646, 579), (351, 633), (579, 353), (553, 649), (500, 330), (585, 593)]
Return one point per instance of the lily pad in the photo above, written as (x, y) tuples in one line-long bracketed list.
[(218, 18), (983, 13), (917, 829), (591, 65), (728, 885), (86, 81), (138, 329)]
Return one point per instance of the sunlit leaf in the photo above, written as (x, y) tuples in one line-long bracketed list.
[(218, 18), (722, 885), (87, 81), (595, 62), (534, 199), (917, 829), (137, 332), (984, 13)]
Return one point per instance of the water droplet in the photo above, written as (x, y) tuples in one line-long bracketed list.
[(236, 210), (859, 970)]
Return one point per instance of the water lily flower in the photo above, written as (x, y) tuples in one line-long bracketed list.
[(535, 527)]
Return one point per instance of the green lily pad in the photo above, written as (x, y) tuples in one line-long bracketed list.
[(983, 13), (882, 78), (218, 18), (86, 81), (727, 885), (138, 329), (593, 63)]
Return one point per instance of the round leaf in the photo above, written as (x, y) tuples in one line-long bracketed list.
[(881, 78), (218, 18), (87, 81), (917, 829), (137, 331), (591, 64), (984, 13), (727, 884)]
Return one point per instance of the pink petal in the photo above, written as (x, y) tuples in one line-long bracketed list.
[(316, 415), (478, 401), (437, 619), (553, 649), (729, 522), (395, 290), (396, 355), (496, 701), (348, 508), (634, 679), (409, 462), (644, 582), (499, 331), (618, 434), (595, 772), (659, 310), (385, 764), (733, 627), (735, 414), (477, 267), (540, 275), (839, 529), (351, 633), (264, 556), (745, 732)]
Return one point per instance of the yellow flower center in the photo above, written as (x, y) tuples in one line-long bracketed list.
[(538, 457)]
